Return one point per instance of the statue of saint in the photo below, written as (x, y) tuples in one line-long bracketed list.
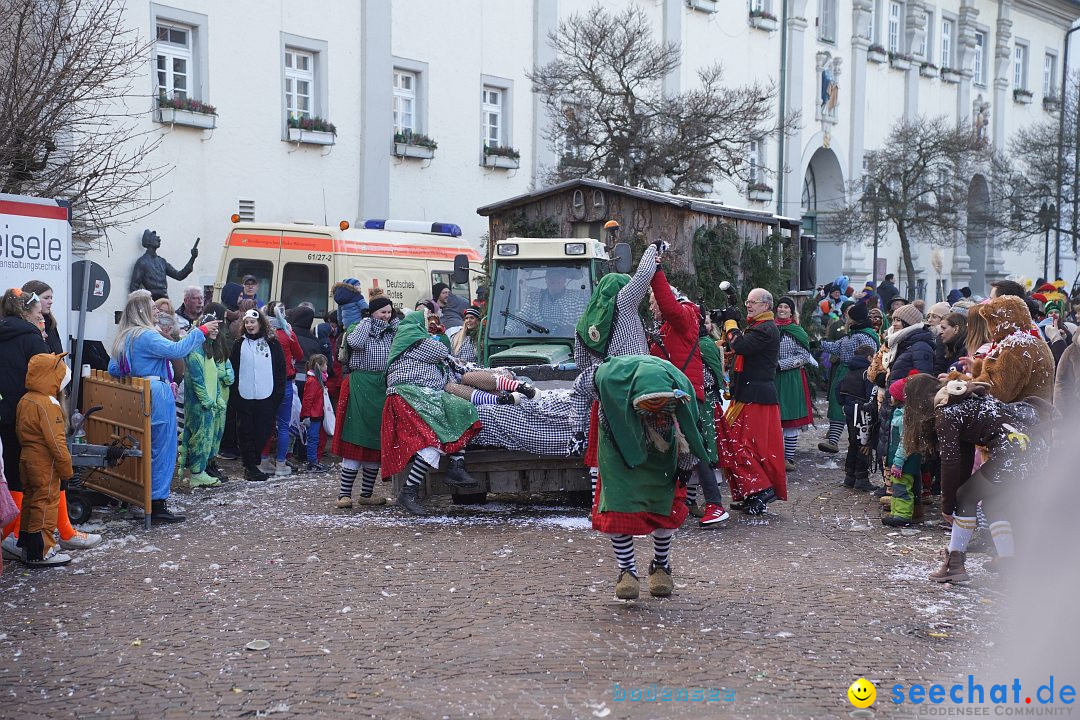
[(151, 271)]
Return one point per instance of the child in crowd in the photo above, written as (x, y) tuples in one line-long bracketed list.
[(349, 296), (45, 460), (311, 408), (905, 469), (854, 389)]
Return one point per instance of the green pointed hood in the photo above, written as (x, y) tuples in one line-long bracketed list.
[(594, 327)]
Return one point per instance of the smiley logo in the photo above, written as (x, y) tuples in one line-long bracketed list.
[(862, 693)]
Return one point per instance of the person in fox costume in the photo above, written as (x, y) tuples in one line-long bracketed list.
[(753, 459)]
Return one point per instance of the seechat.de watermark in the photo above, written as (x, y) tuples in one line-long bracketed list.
[(971, 698), (655, 693)]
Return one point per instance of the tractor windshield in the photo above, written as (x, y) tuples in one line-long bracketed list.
[(532, 299)]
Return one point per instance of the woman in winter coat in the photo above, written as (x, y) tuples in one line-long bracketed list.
[(859, 332), (951, 343), (911, 347), (792, 385), (951, 419), (258, 364), (357, 438), (45, 295)]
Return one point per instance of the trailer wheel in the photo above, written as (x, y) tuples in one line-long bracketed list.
[(469, 498), (79, 506)]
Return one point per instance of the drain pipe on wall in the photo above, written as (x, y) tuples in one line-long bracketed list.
[(782, 137)]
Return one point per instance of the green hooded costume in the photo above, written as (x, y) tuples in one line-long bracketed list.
[(447, 415), (594, 327), (638, 471)]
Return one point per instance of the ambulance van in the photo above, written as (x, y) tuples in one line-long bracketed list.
[(296, 262)]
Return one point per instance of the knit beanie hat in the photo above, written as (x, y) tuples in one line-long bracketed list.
[(940, 309), (472, 312), (378, 303), (436, 290), (790, 303), (859, 314), (907, 314), (896, 390)]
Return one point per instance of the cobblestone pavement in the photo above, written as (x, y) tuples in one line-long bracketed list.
[(497, 611)]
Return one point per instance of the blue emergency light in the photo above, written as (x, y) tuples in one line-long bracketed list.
[(418, 226)]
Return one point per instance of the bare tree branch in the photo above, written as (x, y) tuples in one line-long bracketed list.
[(67, 130), (610, 118)]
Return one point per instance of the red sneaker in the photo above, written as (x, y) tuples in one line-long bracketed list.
[(714, 514)]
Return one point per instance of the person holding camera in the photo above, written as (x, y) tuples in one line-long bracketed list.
[(754, 460)]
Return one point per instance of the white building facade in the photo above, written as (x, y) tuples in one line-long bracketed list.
[(454, 75)]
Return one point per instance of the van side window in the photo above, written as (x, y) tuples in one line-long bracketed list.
[(440, 276), (262, 269), (301, 282)]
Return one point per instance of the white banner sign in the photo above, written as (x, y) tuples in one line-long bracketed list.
[(35, 244)]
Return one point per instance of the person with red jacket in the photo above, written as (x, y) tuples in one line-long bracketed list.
[(677, 342), (311, 409), (290, 346)]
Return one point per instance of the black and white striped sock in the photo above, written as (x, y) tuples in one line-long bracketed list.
[(836, 429), (348, 477), (791, 441), (691, 494), (367, 482), (624, 551), (593, 474), (661, 541), (417, 472)]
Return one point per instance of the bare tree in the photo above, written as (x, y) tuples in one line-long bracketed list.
[(1030, 175), (67, 69), (917, 183), (611, 119)]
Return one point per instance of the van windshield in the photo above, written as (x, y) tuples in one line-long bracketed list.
[(537, 299)]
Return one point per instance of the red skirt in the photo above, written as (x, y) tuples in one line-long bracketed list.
[(808, 418), (592, 453), (641, 523), (753, 459), (404, 433), (344, 449)]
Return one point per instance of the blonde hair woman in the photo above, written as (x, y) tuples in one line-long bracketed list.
[(141, 351)]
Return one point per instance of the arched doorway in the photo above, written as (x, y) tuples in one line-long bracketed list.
[(978, 234), (823, 189)]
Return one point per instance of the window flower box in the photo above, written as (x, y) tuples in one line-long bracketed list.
[(186, 112), (876, 54), (496, 156), (312, 131), (763, 20), (900, 61), (1022, 96), (706, 6), (929, 70), (1051, 104), (414, 145), (949, 75), (760, 192)]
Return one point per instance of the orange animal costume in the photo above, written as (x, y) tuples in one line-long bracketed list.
[(45, 460)]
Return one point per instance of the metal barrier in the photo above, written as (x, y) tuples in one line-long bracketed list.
[(125, 414)]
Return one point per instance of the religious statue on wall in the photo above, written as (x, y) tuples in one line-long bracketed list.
[(981, 119)]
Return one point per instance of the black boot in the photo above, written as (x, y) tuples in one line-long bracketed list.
[(214, 471), (409, 498), (527, 389), (160, 513), (252, 473), (862, 483), (457, 475), (757, 503), (505, 398)]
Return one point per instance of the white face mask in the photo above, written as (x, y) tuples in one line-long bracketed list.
[(67, 378)]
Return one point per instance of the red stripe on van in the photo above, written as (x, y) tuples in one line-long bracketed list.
[(317, 244), (419, 251), (251, 240)]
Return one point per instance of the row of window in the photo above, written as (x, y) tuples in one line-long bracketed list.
[(943, 51), (175, 58)]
